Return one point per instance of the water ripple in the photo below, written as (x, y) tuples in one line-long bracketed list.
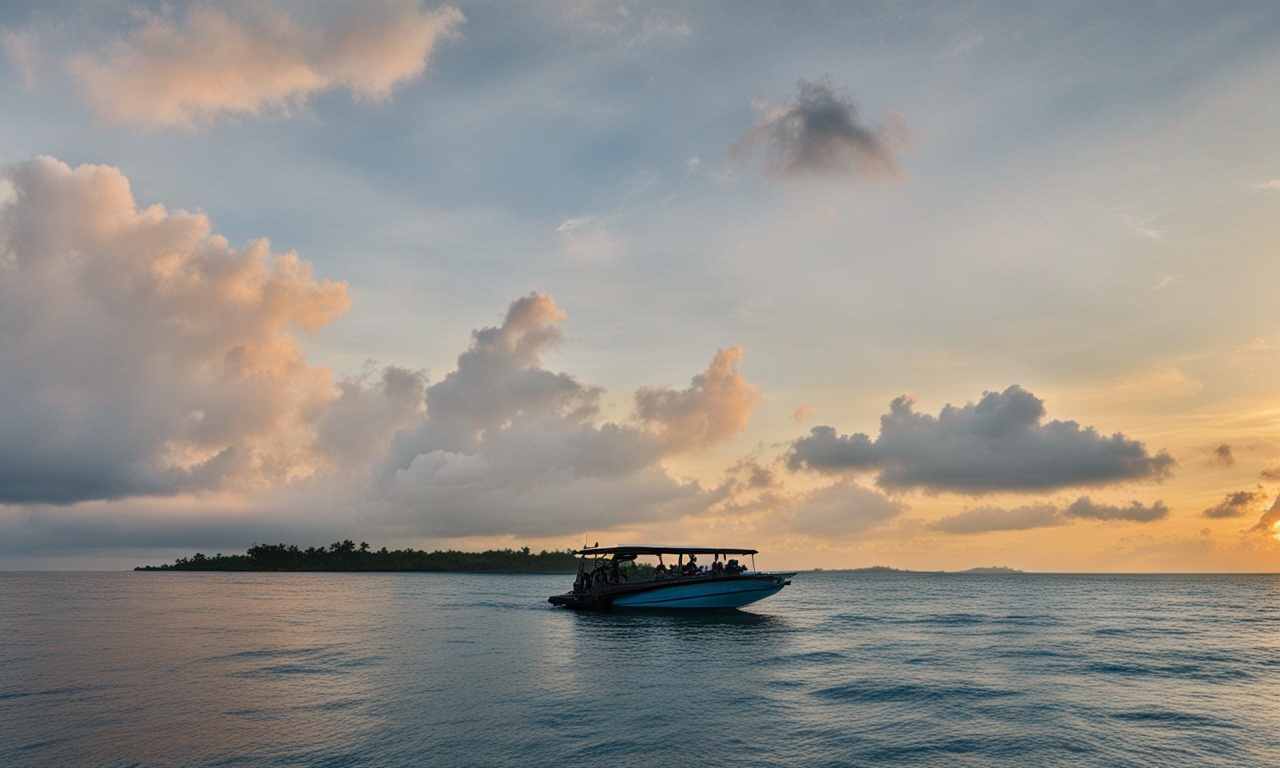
[(456, 670)]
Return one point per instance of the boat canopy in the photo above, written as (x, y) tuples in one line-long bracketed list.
[(634, 550)]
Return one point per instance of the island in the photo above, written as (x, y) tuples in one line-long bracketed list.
[(348, 556), (996, 569)]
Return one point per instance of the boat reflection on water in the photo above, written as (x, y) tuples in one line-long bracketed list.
[(610, 577)]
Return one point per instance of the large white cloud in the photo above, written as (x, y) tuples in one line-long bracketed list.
[(507, 446), (141, 354), (996, 444), (210, 63)]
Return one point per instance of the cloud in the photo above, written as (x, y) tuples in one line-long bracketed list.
[(819, 133), (368, 412), (1086, 508), (841, 509), (1273, 184), (587, 237), (507, 446), (986, 519), (633, 28), (1222, 455), (715, 407), (802, 412), (1269, 520), (1271, 471), (141, 354), (1236, 504), (210, 64), (22, 48), (996, 444), (963, 45)]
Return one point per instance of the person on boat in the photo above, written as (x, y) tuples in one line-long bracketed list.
[(661, 571), (600, 576), (691, 567), (717, 567)]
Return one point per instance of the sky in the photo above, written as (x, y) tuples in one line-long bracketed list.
[(931, 286)]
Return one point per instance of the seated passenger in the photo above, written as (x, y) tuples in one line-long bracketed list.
[(660, 571)]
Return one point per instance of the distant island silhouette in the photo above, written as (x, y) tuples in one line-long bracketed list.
[(992, 569), (886, 569), (348, 556)]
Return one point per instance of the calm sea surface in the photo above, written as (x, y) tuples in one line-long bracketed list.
[(163, 669)]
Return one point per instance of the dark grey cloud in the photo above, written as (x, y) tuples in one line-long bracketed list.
[(1271, 472), (819, 132), (986, 519), (1222, 455), (1086, 508), (826, 451), (1236, 504), (996, 444)]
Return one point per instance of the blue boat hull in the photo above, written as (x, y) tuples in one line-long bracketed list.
[(719, 594), (693, 593)]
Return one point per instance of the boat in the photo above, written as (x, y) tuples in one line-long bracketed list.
[(608, 578)]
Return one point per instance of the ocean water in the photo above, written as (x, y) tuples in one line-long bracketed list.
[(168, 669)]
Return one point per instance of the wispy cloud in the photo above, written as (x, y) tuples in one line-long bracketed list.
[(22, 49), (964, 45), (988, 519), (633, 26), (840, 510), (210, 64), (587, 237)]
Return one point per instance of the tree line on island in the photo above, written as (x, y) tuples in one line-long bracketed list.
[(348, 556)]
